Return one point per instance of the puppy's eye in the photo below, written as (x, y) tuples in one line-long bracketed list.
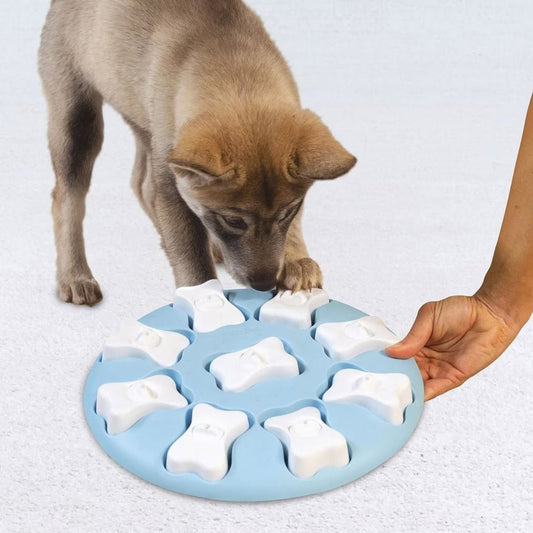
[(236, 223)]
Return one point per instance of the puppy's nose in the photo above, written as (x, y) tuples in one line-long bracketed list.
[(262, 283)]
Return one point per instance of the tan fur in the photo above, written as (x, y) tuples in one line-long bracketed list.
[(225, 154)]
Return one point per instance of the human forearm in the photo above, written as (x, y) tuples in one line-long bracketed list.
[(455, 338), (508, 285)]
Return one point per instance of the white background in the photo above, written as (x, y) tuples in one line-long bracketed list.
[(431, 97)]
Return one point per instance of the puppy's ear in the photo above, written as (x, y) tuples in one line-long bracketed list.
[(198, 172), (199, 157), (317, 154)]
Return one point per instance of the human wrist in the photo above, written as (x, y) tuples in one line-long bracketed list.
[(509, 297)]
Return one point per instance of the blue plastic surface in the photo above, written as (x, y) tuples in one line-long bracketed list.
[(257, 469)]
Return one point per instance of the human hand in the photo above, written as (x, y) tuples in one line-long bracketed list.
[(453, 339)]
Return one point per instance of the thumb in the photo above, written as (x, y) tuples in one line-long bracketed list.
[(418, 336)]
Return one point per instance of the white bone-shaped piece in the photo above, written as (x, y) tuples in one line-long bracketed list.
[(345, 340), (387, 395), (205, 447), (293, 308), (123, 404), (311, 444), (207, 305), (238, 371), (137, 340)]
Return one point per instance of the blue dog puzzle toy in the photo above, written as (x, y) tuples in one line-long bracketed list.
[(243, 395)]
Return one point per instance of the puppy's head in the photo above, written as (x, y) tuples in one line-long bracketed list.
[(245, 177)]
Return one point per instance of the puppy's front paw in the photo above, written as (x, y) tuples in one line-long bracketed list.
[(300, 274), (80, 291)]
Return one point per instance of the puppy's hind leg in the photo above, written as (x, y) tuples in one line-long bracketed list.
[(75, 135)]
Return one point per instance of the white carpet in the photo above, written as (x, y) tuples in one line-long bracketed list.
[(431, 97)]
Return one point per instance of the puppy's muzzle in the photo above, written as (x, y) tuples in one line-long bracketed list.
[(262, 282)]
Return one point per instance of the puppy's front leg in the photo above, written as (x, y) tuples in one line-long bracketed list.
[(299, 271), (183, 236)]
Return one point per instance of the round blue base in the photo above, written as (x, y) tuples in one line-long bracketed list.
[(257, 469)]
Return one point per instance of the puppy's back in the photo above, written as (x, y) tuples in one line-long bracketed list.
[(130, 50)]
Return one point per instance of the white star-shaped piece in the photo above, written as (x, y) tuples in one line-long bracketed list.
[(205, 447), (238, 371), (311, 444), (293, 308), (345, 340), (137, 340), (207, 306), (123, 404), (387, 395)]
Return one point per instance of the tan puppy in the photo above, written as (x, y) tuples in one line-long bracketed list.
[(225, 153)]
